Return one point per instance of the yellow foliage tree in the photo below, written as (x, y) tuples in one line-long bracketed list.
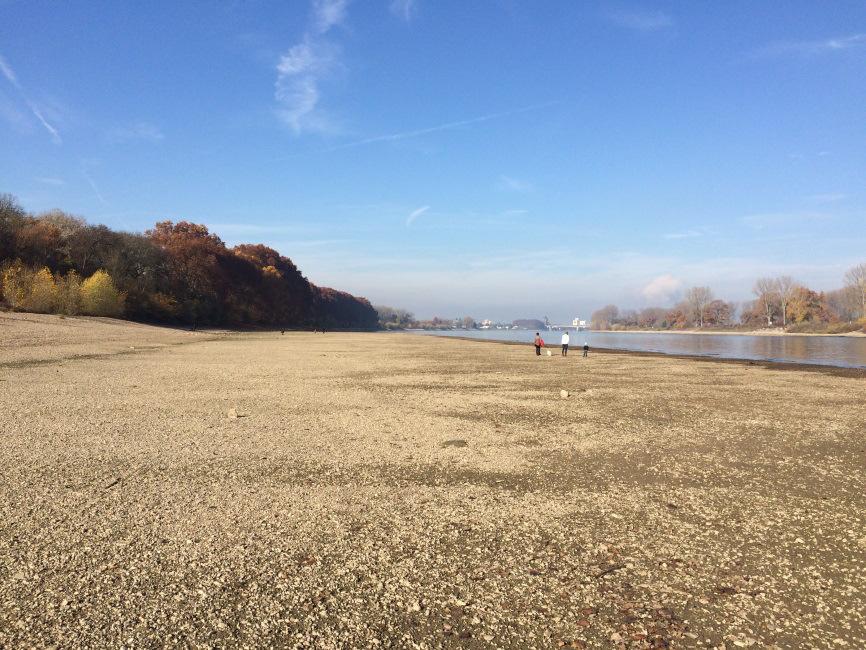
[(271, 271), (17, 281), (69, 294), (100, 297), (42, 297)]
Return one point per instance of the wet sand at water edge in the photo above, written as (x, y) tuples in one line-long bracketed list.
[(217, 489)]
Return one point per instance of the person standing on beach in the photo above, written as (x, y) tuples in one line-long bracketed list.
[(586, 349), (565, 340), (539, 342)]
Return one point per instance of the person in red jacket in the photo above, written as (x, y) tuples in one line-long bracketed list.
[(539, 343)]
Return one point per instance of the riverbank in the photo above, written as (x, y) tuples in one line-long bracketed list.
[(783, 366), (164, 487), (760, 332)]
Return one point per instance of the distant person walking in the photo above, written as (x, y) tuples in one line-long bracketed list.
[(585, 348), (539, 343), (565, 341)]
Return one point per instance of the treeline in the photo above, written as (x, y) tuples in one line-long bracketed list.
[(779, 302), (173, 273), (393, 318)]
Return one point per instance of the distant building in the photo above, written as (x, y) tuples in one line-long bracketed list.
[(578, 323), (486, 324)]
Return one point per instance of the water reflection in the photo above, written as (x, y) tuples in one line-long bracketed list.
[(823, 350)]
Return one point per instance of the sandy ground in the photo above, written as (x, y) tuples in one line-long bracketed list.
[(384, 490)]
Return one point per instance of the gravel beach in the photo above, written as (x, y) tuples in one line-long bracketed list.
[(215, 489)]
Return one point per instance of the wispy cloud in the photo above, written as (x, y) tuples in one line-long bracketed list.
[(511, 184), (301, 70), (55, 134), (57, 182), (815, 47), (8, 72), (403, 9), (328, 14), (12, 78), (137, 131), (447, 126), (415, 214), (93, 185), (641, 20)]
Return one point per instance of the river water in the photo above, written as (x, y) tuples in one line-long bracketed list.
[(842, 351)]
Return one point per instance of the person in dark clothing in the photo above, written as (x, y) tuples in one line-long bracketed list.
[(586, 349), (539, 342)]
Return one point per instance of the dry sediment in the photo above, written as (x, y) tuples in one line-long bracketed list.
[(398, 491)]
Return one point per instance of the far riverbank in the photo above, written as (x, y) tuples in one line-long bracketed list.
[(761, 332), (837, 351)]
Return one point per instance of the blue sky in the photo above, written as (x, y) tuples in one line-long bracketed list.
[(501, 159)]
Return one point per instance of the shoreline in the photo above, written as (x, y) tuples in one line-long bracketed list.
[(689, 331), (732, 333), (834, 371)]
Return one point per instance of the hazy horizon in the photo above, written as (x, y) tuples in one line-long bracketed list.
[(576, 155)]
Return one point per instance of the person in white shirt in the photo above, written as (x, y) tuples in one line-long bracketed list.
[(565, 340)]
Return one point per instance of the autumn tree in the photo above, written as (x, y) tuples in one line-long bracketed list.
[(100, 297), (194, 272), (603, 318), (39, 243), (69, 294), (17, 282), (141, 270), (766, 292), (12, 218), (67, 224), (42, 297), (338, 309), (288, 296), (678, 316), (785, 287), (843, 304), (697, 299), (91, 248), (628, 318), (652, 317), (805, 305), (855, 279), (718, 313), (393, 318)]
